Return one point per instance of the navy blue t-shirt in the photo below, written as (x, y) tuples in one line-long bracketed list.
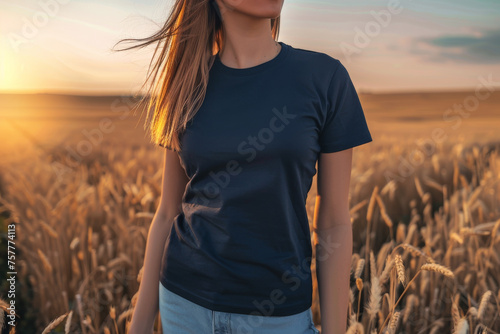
[(242, 243)]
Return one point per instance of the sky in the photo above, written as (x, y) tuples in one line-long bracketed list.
[(64, 46)]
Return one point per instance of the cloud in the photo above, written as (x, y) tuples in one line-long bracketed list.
[(482, 48)]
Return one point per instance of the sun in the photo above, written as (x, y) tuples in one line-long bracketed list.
[(10, 68)]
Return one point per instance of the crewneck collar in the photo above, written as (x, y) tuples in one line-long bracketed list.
[(254, 69)]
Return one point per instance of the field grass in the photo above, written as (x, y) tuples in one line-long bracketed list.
[(425, 207)]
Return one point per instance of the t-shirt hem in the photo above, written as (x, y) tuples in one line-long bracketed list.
[(278, 311), (330, 148)]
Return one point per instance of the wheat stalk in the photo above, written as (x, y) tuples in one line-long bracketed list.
[(416, 252), (394, 322), (373, 266), (455, 314), (359, 268), (67, 325), (387, 270), (112, 315), (124, 315), (356, 328), (400, 269), (54, 323), (45, 261), (438, 268), (463, 327), (375, 297), (359, 284), (472, 311), (483, 305), (418, 186)]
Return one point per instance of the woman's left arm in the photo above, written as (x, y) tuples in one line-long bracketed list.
[(332, 239)]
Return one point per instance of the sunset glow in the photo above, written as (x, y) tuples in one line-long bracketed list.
[(64, 46)]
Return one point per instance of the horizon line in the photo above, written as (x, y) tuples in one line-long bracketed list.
[(359, 91)]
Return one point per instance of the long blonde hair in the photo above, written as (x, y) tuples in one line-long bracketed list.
[(179, 68)]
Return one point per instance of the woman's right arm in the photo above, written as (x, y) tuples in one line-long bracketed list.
[(174, 182)]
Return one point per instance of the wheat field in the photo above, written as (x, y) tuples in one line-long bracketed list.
[(425, 216)]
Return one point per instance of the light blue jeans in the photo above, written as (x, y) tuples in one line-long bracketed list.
[(181, 316)]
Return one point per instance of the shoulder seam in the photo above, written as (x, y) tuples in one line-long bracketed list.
[(334, 72)]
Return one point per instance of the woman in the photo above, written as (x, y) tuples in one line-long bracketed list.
[(244, 119)]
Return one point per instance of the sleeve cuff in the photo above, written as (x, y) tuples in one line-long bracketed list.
[(336, 147)]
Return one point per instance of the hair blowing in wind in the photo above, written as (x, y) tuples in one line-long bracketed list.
[(178, 71)]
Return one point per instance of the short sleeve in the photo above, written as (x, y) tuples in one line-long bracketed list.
[(344, 124)]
